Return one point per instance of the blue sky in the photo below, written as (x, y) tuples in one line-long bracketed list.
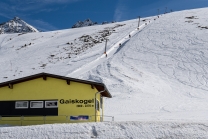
[(48, 15)]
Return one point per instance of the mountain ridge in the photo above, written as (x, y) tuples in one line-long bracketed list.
[(88, 22), (16, 25)]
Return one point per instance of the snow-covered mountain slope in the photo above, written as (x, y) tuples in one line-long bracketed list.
[(16, 25), (60, 51), (159, 73)]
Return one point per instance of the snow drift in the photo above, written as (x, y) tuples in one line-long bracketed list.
[(110, 130)]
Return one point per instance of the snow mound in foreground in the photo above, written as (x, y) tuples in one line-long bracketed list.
[(109, 130)]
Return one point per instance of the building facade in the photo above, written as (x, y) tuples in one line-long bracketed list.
[(46, 98)]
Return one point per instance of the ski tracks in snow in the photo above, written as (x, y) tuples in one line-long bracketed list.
[(113, 49)]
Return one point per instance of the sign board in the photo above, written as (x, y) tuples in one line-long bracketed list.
[(80, 117)]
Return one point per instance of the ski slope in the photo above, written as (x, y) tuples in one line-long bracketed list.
[(161, 73), (108, 53), (25, 54)]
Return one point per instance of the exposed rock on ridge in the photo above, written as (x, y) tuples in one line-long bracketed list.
[(16, 25)]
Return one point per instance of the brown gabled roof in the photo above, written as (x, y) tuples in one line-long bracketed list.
[(98, 86)]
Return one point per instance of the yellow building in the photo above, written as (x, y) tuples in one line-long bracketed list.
[(46, 98)]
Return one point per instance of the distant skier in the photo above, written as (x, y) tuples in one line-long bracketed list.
[(105, 54), (129, 36)]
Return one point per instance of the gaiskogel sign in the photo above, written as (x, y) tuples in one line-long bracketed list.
[(76, 101)]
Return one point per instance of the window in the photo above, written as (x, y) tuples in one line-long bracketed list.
[(98, 107), (101, 101), (51, 104), (36, 104), (21, 104)]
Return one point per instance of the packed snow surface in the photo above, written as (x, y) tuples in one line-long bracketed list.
[(109, 130), (157, 73)]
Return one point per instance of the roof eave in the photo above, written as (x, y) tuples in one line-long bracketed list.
[(99, 86)]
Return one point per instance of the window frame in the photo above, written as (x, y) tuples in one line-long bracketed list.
[(51, 106), (35, 107), (21, 107)]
